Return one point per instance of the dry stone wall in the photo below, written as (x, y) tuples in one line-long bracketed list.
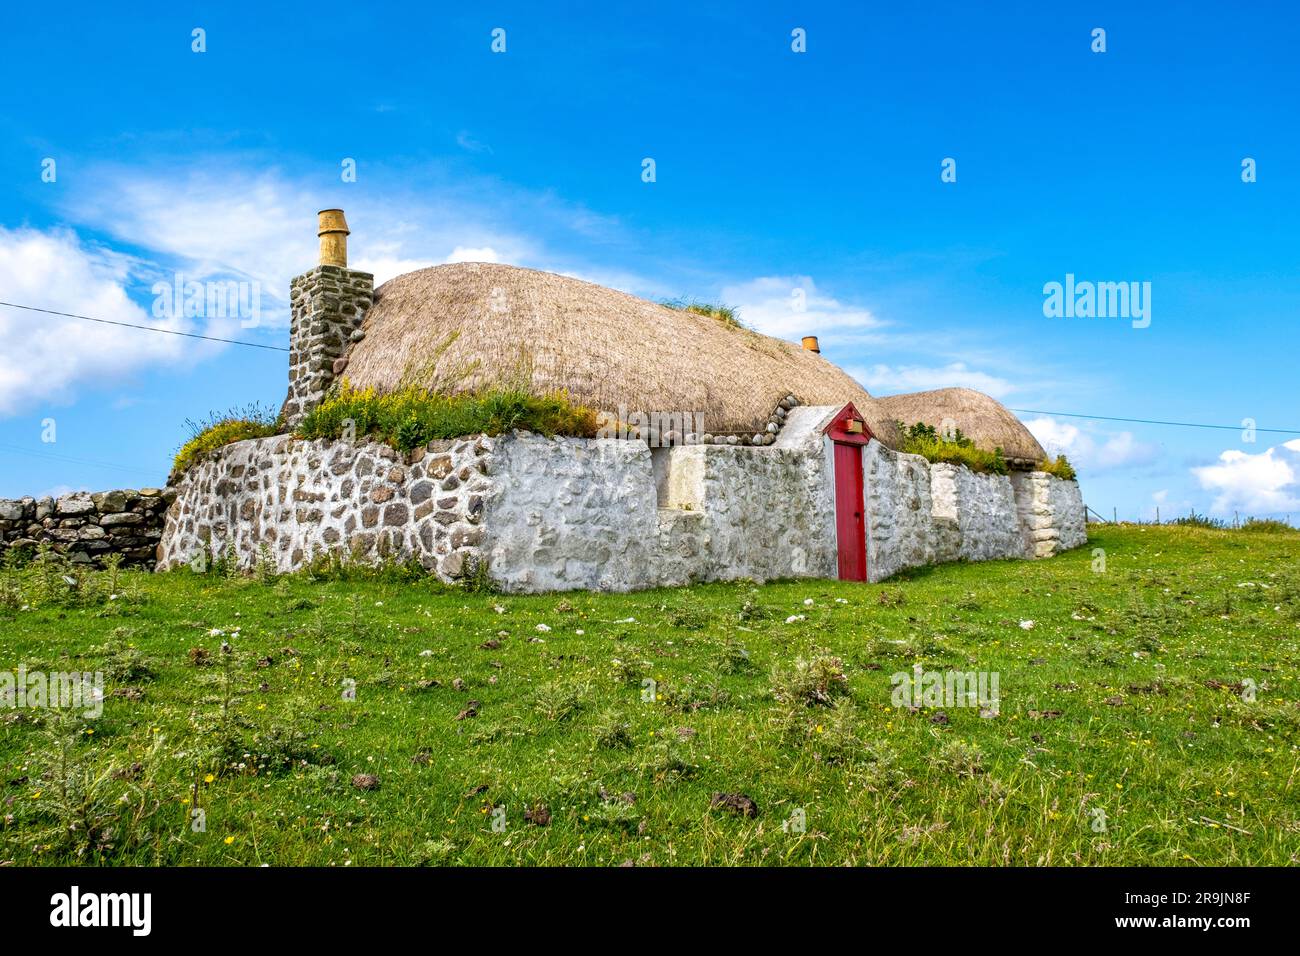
[(88, 526)]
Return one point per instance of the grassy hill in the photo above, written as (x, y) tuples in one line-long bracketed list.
[(1125, 731)]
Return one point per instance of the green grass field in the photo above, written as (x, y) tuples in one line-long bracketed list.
[(514, 730)]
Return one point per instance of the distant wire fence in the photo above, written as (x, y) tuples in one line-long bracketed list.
[(1092, 516)]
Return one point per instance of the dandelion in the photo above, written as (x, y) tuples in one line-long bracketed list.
[(209, 778)]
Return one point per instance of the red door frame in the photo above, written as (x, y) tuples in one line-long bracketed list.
[(849, 432)]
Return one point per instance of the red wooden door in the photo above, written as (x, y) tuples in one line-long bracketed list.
[(850, 528)]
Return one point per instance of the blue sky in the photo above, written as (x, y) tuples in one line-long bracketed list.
[(775, 171)]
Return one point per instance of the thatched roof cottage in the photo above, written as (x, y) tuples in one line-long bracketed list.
[(723, 453)]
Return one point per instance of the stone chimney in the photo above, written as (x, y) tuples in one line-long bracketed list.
[(326, 306)]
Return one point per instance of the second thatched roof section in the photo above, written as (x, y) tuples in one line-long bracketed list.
[(982, 419), (473, 325)]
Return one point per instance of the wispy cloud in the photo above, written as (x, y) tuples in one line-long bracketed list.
[(793, 306), (47, 358), (891, 379), (467, 142), (1091, 448)]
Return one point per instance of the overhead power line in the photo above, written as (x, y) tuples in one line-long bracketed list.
[(19, 450), (147, 328), (280, 348), (1149, 421)]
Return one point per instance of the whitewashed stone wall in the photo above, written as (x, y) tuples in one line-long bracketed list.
[(975, 515), (570, 513), (900, 525), (604, 514), (298, 500), (919, 513), (1050, 512)]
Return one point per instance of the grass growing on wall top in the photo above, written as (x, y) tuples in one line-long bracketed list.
[(1060, 467), (406, 419), (1123, 699), (921, 439), (220, 429), (412, 416)]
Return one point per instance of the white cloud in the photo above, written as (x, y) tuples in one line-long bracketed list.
[(467, 142), (44, 358), (240, 222), (892, 379), (1091, 448), (1258, 484), (790, 307)]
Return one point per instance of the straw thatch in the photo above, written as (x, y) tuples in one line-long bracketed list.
[(472, 325), (982, 419)]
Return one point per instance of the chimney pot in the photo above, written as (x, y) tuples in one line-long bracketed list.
[(333, 233), (810, 344)]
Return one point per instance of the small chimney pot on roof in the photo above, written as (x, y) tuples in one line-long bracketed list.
[(333, 232), (810, 344)]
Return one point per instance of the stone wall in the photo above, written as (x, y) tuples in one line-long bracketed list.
[(767, 513), (569, 513), (900, 528), (326, 308), (605, 514), (293, 501), (979, 512), (1050, 513), (920, 513), (88, 526)]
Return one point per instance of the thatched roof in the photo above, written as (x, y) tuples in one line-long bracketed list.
[(471, 325), (982, 419)]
